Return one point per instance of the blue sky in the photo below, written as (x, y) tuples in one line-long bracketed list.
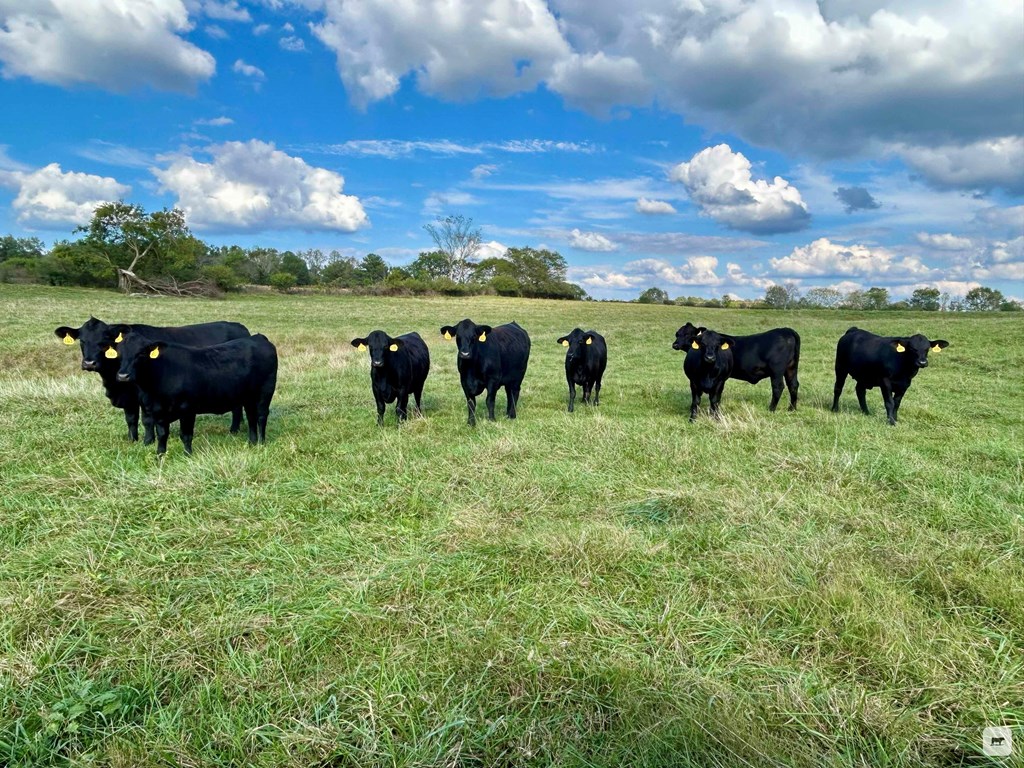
[(703, 146)]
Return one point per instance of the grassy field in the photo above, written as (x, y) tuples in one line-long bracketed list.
[(610, 587)]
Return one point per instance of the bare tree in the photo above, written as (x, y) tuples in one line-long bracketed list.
[(455, 237)]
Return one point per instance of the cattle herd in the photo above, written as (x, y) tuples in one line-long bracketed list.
[(174, 373)]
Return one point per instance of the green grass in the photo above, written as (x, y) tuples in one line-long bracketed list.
[(610, 587)]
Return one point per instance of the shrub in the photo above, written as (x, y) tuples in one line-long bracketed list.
[(224, 277), (282, 281), (505, 285)]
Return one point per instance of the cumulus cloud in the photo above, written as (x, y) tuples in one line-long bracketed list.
[(253, 186), (216, 32), (823, 258), (981, 165), (653, 207), (249, 70), (604, 279), (496, 49), (49, 197), (292, 43), (590, 241), (696, 270), (597, 82), (483, 171), (116, 46), (719, 181), (856, 199), (225, 10), (216, 122), (944, 242), (491, 250)]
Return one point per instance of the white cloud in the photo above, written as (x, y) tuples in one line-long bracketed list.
[(249, 70), (606, 279), (483, 171), (981, 165), (7, 163), (944, 242), (597, 82), (696, 270), (719, 182), (653, 207), (292, 43), (823, 258), (491, 250), (260, 29), (118, 46), (496, 49), (216, 122), (216, 32), (226, 10), (253, 187), (590, 241), (49, 197), (398, 148), (443, 202), (115, 154), (737, 276)]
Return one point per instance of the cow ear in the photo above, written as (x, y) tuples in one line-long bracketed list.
[(588, 339), (938, 345), (395, 345), (563, 341), (359, 343), (484, 330), (154, 350), (898, 345), (120, 331), (67, 335), (701, 330), (448, 332)]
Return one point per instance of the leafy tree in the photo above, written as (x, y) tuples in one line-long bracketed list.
[(80, 263), (282, 281), (1011, 306), (340, 271), (222, 276), (294, 265), (925, 299), (456, 238), (876, 298), (825, 298), (982, 299), (262, 263), (653, 295), (505, 285), (782, 296), (21, 248), (430, 265), (127, 236), (372, 269), (315, 260)]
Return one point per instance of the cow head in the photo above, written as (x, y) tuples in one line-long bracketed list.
[(711, 345), (576, 344), (913, 350), (468, 336), (98, 341), (379, 345), (686, 335), (136, 352)]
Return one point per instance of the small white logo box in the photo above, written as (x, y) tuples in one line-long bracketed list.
[(997, 741)]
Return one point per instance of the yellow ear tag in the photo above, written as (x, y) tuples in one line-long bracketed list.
[(900, 347), (565, 342), (694, 345), (155, 354), (936, 348), (482, 337), (361, 347), (447, 336), (725, 345), (589, 342), (119, 339), (110, 354), (393, 347), (68, 339)]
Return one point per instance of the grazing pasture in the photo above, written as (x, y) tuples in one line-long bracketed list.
[(614, 586)]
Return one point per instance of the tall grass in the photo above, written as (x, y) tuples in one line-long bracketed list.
[(610, 587)]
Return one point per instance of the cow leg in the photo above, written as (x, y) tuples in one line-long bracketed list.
[(262, 413), (492, 393), (890, 408), (381, 407), (147, 424), (163, 428), (252, 420), (512, 396), (715, 397), (572, 396), (587, 389), (694, 401), (418, 394), (793, 384), (897, 398), (236, 419), (862, 399), (776, 393), (597, 392), (187, 428), (840, 383), (471, 407), (402, 407), (131, 418)]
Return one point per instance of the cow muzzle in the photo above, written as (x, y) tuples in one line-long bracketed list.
[(463, 354), (123, 377), (377, 363), (922, 363), (90, 365), (709, 358)]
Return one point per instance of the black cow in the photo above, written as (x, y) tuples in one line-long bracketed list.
[(398, 368), (774, 354), (585, 361), (177, 382), (490, 358), (99, 353), (708, 364), (887, 362)]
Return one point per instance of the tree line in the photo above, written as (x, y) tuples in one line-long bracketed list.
[(789, 296), (124, 246)]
